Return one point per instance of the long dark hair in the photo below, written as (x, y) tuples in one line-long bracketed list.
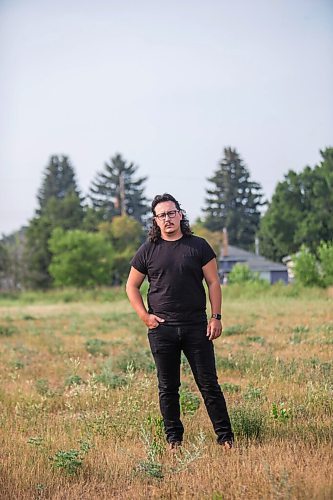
[(154, 233)]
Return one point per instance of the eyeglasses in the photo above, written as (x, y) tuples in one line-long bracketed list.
[(171, 214)]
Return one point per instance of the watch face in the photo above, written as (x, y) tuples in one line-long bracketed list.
[(216, 316)]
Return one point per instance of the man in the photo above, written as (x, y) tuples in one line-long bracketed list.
[(176, 262)]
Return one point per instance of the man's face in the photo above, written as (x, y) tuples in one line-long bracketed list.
[(170, 223)]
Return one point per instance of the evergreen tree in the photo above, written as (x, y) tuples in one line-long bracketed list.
[(233, 201), (60, 205), (301, 210), (116, 192)]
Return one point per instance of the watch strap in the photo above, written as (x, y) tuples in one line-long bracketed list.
[(217, 316)]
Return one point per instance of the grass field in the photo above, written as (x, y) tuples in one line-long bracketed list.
[(79, 409)]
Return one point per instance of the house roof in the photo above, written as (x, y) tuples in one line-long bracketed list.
[(255, 262)]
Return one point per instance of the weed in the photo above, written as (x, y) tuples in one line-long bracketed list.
[(151, 439), (36, 441), (248, 422), (96, 347), (300, 329), (73, 380), (108, 378), (217, 495), (7, 331), (225, 363), (235, 330), (280, 412), (101, 424), (70, 461), (253, 393), (231, 388), (185, 365), (255, 339), (189, 401), (42, 387), (28, 317), (17, 364), (152, 469), (299, 333), (139, 360), (194, 452)]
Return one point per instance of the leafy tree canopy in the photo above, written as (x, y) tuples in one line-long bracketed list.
[(124, 232), (80, 258), (301, 210), (214, 238)]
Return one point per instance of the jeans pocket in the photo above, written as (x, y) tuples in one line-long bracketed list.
[(158, 327)]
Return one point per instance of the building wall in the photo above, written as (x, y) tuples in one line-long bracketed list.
[(265, 275), (279, 276)]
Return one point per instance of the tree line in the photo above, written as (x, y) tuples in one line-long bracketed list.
[(89, 240)]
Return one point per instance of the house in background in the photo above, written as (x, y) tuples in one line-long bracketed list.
[(266, 269)]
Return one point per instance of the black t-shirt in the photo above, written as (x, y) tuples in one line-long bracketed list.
[(174, 270)]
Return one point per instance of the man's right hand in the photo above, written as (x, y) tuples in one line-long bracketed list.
[(152, 321)]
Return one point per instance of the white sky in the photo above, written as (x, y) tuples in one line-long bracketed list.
[(168, 84)]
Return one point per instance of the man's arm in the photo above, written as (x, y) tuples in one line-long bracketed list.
[(134, 282), (214, 327)]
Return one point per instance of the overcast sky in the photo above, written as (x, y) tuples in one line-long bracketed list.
[(168, 84)]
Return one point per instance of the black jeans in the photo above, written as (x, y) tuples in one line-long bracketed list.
[(166, 343)]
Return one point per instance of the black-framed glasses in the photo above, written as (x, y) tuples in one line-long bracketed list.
[(171, 214)]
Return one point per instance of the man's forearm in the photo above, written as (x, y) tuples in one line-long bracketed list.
[(215, 297), (136, 301)]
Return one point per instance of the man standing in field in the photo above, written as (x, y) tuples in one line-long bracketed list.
[(176, 262)]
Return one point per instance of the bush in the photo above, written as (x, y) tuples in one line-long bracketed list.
[(241, 273), (248, 422), (306, 268), (96, 347), (325, 253), (309, 271)]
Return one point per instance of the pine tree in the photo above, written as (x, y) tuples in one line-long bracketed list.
[(60, 205), (116, 192), (233, 201)]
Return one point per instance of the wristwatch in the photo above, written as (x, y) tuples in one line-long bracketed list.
[(217, 316)]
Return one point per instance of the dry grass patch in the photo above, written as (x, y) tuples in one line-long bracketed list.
[(79, 407)]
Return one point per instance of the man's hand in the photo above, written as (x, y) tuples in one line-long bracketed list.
[(152, 321), (214, 328)]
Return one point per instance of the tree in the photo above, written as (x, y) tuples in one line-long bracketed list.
[(234, 201), (301, 211), (80, 258), (12, 263), (116, 192), (125, 234), (60, 205), (213, 238)]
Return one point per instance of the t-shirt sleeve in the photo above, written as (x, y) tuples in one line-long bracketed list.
[(207, 253), (139, 261)]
